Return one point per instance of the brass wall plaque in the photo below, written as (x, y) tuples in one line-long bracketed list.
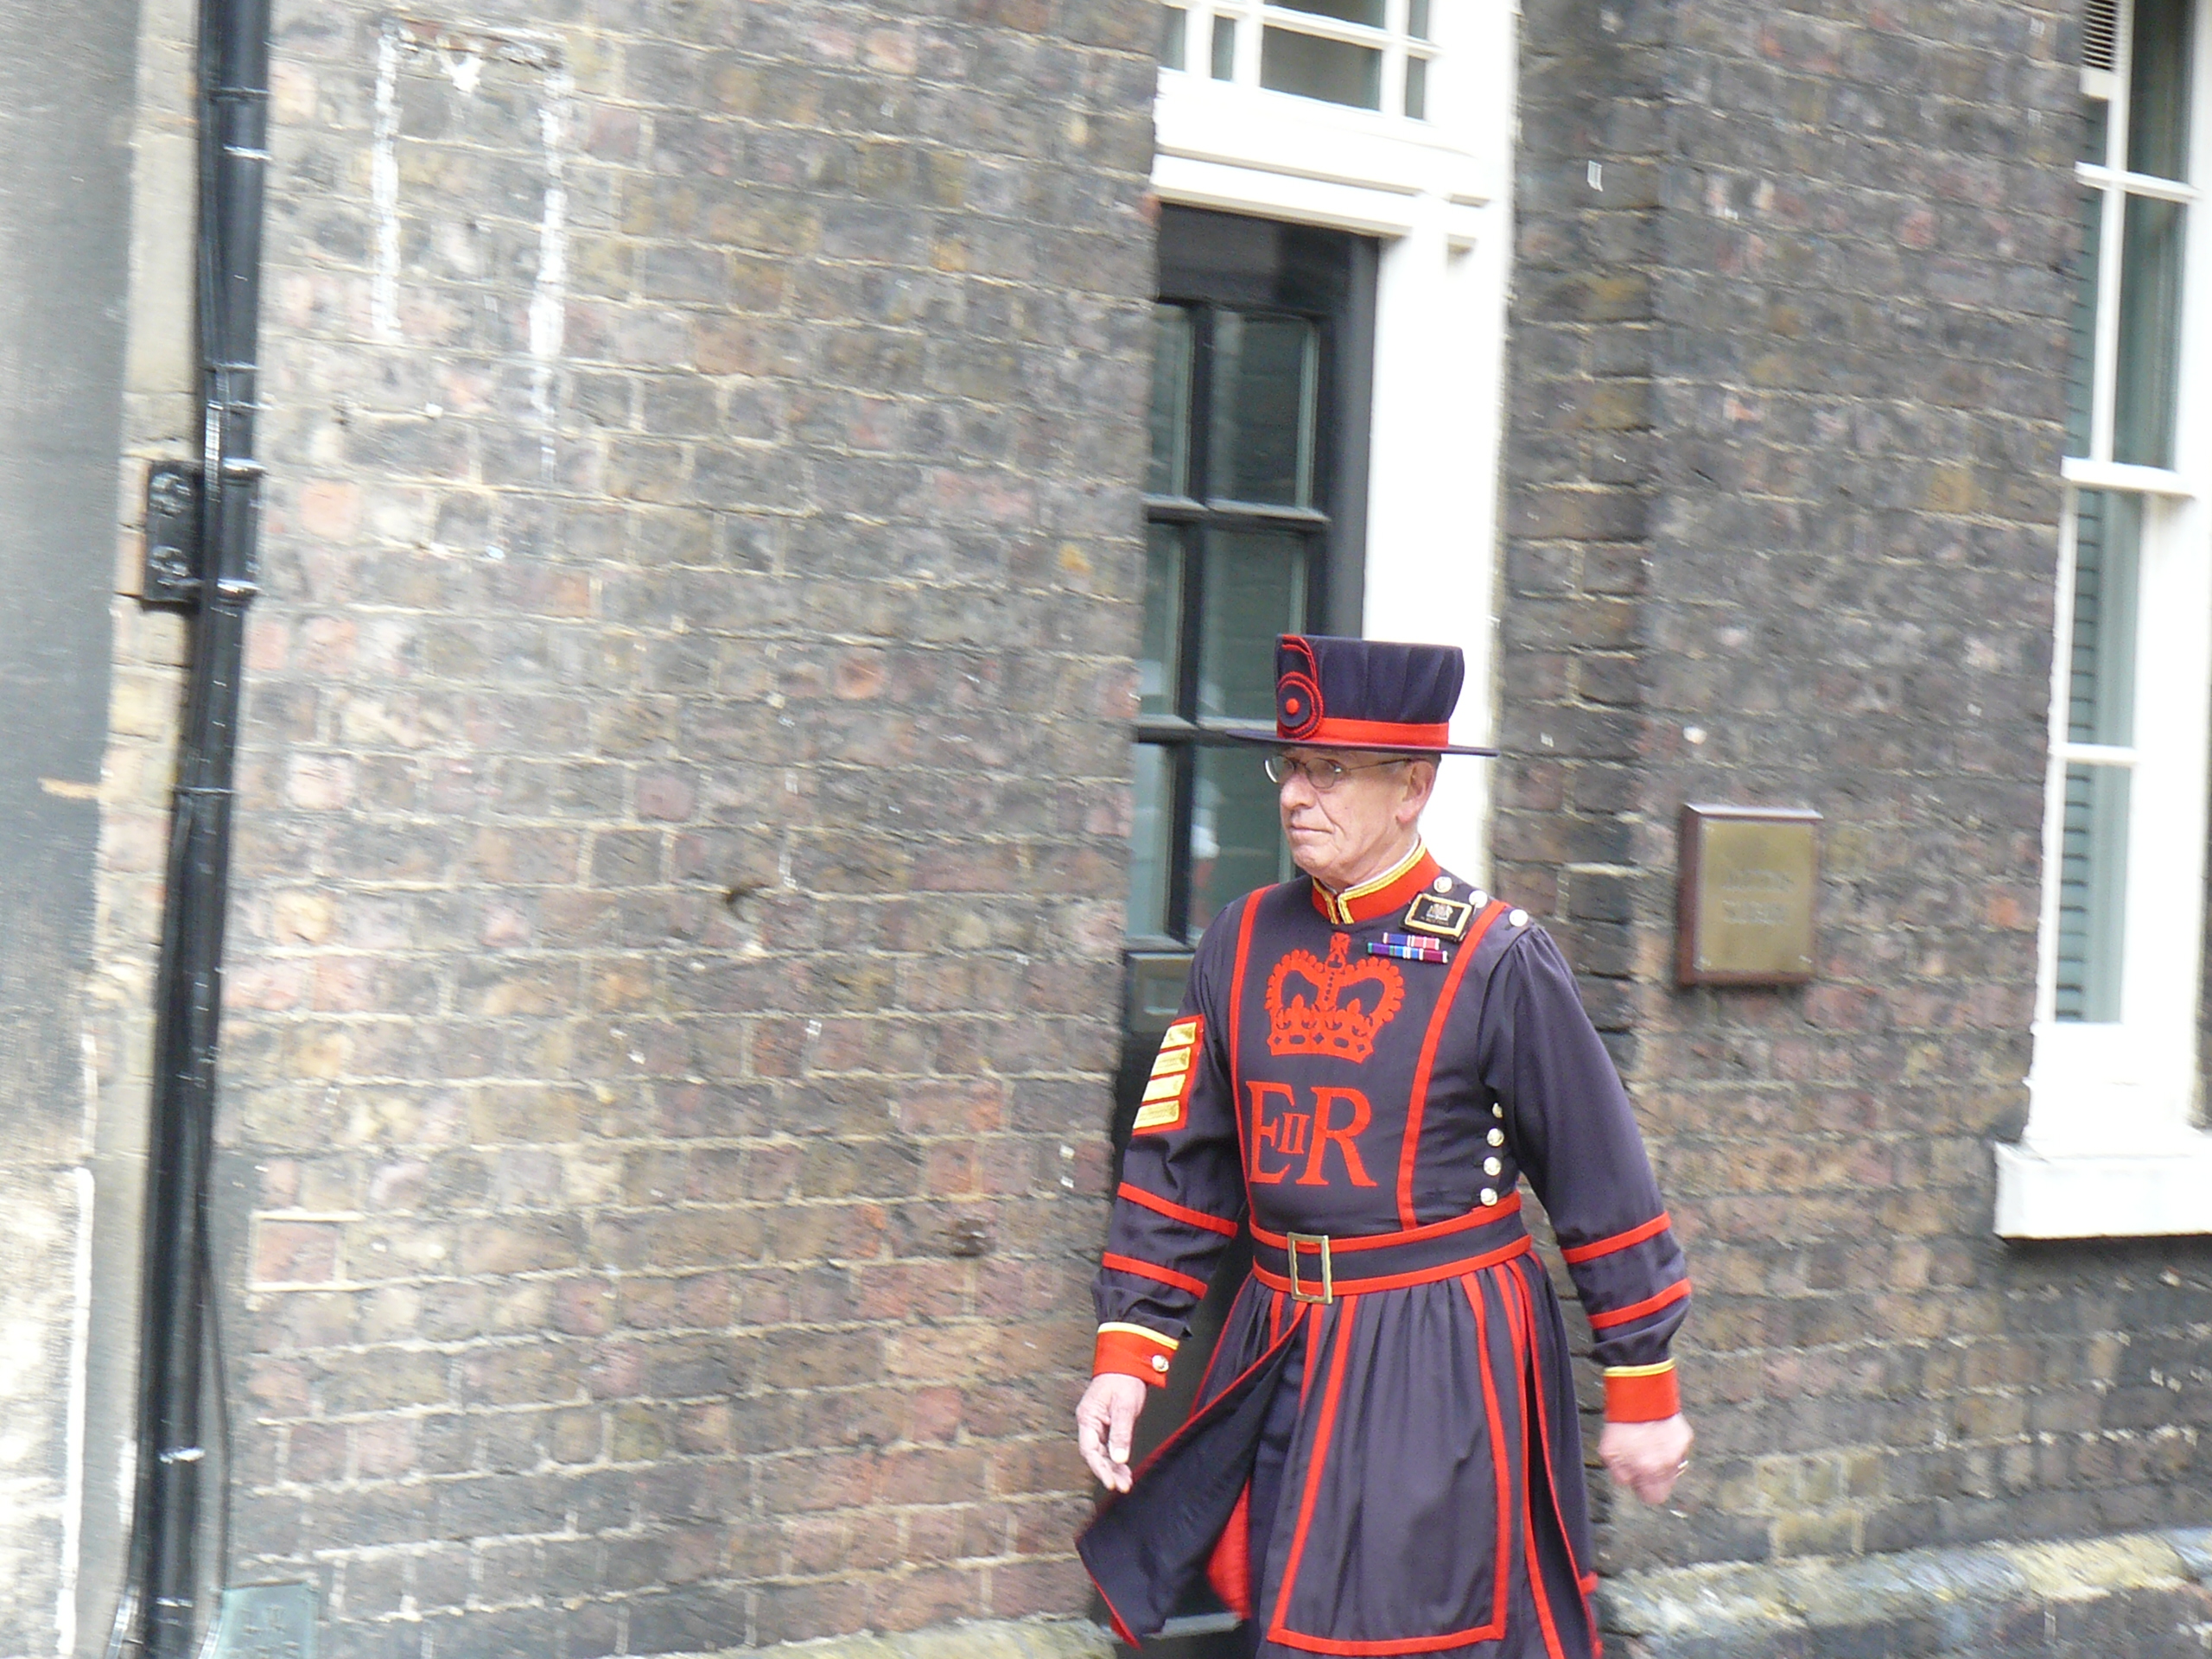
[(1748, 875)]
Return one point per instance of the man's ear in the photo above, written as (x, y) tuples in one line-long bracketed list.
[(1421, 784)]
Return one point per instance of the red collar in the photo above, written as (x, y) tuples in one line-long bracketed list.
[(1392, 890)]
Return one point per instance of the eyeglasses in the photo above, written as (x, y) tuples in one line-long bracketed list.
[(1322, 774)]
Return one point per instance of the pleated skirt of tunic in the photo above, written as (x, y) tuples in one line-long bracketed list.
[(1399, 1471)]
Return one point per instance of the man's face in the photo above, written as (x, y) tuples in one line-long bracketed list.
[(1337, 835)]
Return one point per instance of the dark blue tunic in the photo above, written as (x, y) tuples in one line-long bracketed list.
[(1383, 1458)]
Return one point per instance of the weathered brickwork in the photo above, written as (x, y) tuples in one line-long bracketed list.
[(682, 815), (1786, 379)]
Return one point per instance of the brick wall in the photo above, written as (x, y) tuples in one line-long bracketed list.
[(1786, 377), (683, 810)]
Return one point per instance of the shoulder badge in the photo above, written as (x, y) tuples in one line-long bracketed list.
[(1448, 918)]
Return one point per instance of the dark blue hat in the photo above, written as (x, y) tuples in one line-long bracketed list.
[(1334, 693)]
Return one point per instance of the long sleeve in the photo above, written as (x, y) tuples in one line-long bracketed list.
[(1182, 1194), (1575, 1135)]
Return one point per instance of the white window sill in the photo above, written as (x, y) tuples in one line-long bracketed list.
[(2106, 1194)]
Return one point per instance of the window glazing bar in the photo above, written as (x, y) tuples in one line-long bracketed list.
[(2136, 184), (1259, 513), (2140, 480), (1183, 509), (1328, 29), (2104, 396), (2097, 754)]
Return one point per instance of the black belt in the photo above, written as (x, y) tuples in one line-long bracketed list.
[(1315, 1268)]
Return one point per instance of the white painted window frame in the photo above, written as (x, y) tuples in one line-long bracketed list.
[(2113, 1147), (1251, 17), (1437, 193)]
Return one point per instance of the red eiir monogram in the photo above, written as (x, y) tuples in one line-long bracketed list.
[(1290, 1134)]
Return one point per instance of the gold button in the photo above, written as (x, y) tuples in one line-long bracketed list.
[(1491, 1167), (1159, 1362), (1489, 1196), (1444, 883), (1497, 1111), (1518, 918), (1497, 1137)]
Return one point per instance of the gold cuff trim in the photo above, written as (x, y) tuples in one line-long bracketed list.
[(1659, 1370), (1169, 1343)]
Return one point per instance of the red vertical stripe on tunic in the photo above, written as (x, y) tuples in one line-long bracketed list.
[(1551, 1479), (1237, 1037), (1316, 1460), (1524, 1360), (1419, 1103), (1503, 1567)]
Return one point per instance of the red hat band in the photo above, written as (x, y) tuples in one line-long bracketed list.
[(1372, 734)]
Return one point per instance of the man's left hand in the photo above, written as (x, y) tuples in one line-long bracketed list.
[(1647, 1458)]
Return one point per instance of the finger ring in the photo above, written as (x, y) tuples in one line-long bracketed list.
[(1683, 1465)]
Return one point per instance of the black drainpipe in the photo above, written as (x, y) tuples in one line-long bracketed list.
[(159, 1612)]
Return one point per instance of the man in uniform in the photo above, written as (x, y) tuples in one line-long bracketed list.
[(1383, 1458)]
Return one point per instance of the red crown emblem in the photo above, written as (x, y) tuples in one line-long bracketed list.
[(1335, 1006)]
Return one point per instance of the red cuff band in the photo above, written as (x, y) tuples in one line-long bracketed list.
[(1644, 1395), (1130, 1355)]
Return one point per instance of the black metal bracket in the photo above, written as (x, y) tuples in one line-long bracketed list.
[(172, 538)]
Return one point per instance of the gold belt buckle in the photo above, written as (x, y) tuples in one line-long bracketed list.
[(1315, 1241)]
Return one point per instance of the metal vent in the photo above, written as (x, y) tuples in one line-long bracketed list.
[(2101, 35)]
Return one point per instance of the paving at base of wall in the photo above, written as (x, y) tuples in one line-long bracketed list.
[(2146, 1595), (1005, 1638), (2143, 1595)]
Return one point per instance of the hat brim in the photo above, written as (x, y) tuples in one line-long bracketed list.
[(1275, 740)]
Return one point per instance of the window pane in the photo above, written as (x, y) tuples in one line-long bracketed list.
[(2150, 312), (1261, 441), (2107, 540), (2157, 111), (1353, 11), (1173, 26), (1169, 472), (1313, 67), (1255, 589), (1417, 88), (2096, 132), (1224, 49), (1417, 19), (1148, 840), (2082, 359), (1236, 832), (2093, 874), (1158, 667)]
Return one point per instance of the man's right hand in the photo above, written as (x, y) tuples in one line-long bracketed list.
[(1105, 1418)]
